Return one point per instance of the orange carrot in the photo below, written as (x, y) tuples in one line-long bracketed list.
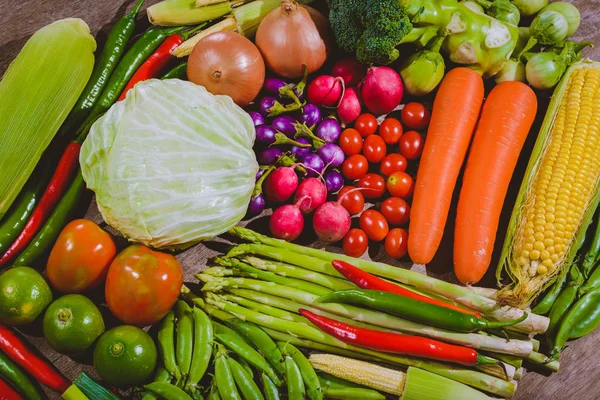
[(455, 112), (507, 116)]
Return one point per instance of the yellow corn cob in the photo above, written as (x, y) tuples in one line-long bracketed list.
[(559, 192), (361, 372)]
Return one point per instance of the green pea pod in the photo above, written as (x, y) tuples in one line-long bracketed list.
[(160, 375), (244, 382), (245, 365), (587, 324), (179, 72), (224, 379), (185, 338), (559, 310), (11, 372), (592, 282), (309, 376), (245, 351), (353, 394), (214, 393), (270, 390), (293, 378), (580, 310), (220, 329), (203, 343), (262, 341), (166, 344), (167, 391), (544, 306), (196, 395)]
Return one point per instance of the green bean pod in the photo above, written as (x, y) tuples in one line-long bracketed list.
[(544, 306), (167, 391), (580, 310), (262, 341), (178, 72), (244, 382), (185, 338), (293, 378), (270, 390), (224, 379), (245, 351), (309, 376), (12, 373), (203, 343), (166, 344)]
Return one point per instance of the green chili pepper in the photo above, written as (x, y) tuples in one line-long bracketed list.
[(589, 322), (214, 393), (262, 341), (179, 72), (9, 370), (309, 376), (160, 375), (245, 351), (293, 378), (203, 343), (544, 306), (167, 391), (61, 216), (269, 388), (185, 338), (166, 344), (563, 303), (224, 377), (244, 382), (415, 310)]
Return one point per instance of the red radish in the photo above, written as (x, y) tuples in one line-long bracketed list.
[(331, 222), (350, 107), (281, 184), (311, 194), (325, 90), (287, 222), (382, 90), (350, 70)]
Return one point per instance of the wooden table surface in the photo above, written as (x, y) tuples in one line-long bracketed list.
[(579, 375)]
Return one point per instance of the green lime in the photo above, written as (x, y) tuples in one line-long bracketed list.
[(72, 323), (125, 356), (23, 295)]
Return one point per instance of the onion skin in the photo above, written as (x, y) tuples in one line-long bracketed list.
[(291, 36), (229, 64)]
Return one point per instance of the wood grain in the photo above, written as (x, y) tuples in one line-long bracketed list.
[(579, 376)]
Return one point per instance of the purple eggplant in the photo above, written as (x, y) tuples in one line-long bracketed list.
[(269, 156), (314, 165), (257, 204), (301, 152), (332, 155), (265, 105), (311, 115), (273, 86), (257, 118), (329, 130), (285, 124), (333, 181), (265, 134)]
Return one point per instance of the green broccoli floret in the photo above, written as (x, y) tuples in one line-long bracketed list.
[(370, 28)]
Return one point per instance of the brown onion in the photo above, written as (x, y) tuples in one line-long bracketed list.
[(227, 63), (293, 35)]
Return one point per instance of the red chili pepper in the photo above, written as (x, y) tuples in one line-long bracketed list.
[(17, 350), (57, 186), (397, 343), (7, 392), (365, 280)]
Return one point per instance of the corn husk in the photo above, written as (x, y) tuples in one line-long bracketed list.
[(185, 12), (37, 93)]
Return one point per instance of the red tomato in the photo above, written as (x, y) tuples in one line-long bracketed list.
[(351, 142), (415, 115), (142, 285), (395, 210), (374, 225), (392, 163), (353, 202), (374, 185), (374, 148), (400, 184), (411, 145), (80, 257), (355, 243), (396, 243), (355, 167), (366, 124), (390, 130)]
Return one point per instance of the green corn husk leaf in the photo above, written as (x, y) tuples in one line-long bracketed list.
[(37, 93), (524, 289), (185, 12)]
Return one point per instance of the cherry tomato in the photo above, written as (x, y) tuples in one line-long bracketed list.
[(390, 130), (396, 243), (355, 167), (411, 145), (374, 148), (80, 257), (142, 285), (355, 243), (374, 225), (415, 115), (353, 202), (395, 210), (400, 184), (351, 142), (392, 163), (366, 124), (374, 185)]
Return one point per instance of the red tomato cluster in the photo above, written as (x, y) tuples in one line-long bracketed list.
[(378, 159)]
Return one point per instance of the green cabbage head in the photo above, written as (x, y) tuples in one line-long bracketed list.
[(171, 164)]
